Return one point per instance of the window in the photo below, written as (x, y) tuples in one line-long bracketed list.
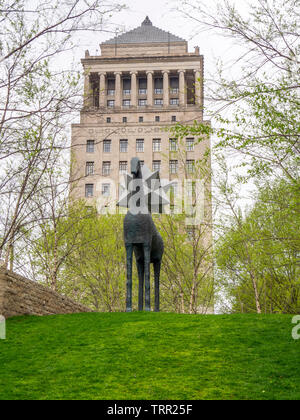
[(158, 85), (105, 190), (174, 118), (157, 119), (190, 166), (158, 102), (89, 168), (190, 233), (174, 84), (124, 119), (140, 145), (108, 120), (190, 145), (90, 146), (123, 146), (110, 87), (174, 189), (173, 166), (110, 104), (156, 145), (106, 168), (156, 166), (142, 102), (126, 86), (126, 102), (107, 146), (173, 196), (173, 145), (89, 190), (191, 189), (141, 119), (142, 86), (174, 101), (123, 167)]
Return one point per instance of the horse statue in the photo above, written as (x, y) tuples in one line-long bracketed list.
[(144, 193)]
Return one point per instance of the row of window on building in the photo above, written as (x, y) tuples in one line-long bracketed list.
[(106, 189), (140, 145), (142, 102), (123, 167), (141, 119), (144, 91), (158, 85)]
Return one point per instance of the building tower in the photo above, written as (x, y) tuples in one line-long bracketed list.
[(144, 82)]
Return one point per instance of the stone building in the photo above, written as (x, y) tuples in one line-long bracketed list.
[(142, 83)]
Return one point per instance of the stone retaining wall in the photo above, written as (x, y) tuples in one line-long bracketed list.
[(20, 296)]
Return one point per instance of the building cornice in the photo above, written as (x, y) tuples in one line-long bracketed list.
[(113, 111), (145, 124), (140, 59)]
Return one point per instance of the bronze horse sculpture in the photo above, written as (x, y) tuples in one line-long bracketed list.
[(142, 238)]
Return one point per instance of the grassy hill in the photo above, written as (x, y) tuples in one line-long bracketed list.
[(150, 356)]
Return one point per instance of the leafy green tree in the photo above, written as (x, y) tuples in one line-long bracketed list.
[(187, 270), (255, 129), (38, 100), (260, 128), (187, 281), (258, 257), (81, 254), (55, 239), (96, 271)]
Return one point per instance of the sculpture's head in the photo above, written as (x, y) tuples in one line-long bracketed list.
[(151, 186), (135, 166)]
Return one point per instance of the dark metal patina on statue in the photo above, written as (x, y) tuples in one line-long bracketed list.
[(144, 241)]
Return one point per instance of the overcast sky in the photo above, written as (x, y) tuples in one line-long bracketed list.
[(164, 15)]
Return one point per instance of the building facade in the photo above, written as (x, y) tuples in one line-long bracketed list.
[(143, 83)]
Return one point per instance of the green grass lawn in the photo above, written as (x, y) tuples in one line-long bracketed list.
[(150, 356)]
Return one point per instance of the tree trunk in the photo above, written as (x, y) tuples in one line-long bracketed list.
[(11, 257), (192, 300), (182, 303), (258, 308)]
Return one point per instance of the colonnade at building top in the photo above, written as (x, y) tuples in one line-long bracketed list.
[(138, 89)]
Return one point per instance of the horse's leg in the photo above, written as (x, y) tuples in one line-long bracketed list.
[(141, 273), (157, 266), (147, 251), (129, 251)]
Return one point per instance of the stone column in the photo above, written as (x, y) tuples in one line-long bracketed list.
[(102, 90), (150, 88), (182, 88), (87, 90), (133, 88), (166, 88), (198, 87), (118, 93)]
